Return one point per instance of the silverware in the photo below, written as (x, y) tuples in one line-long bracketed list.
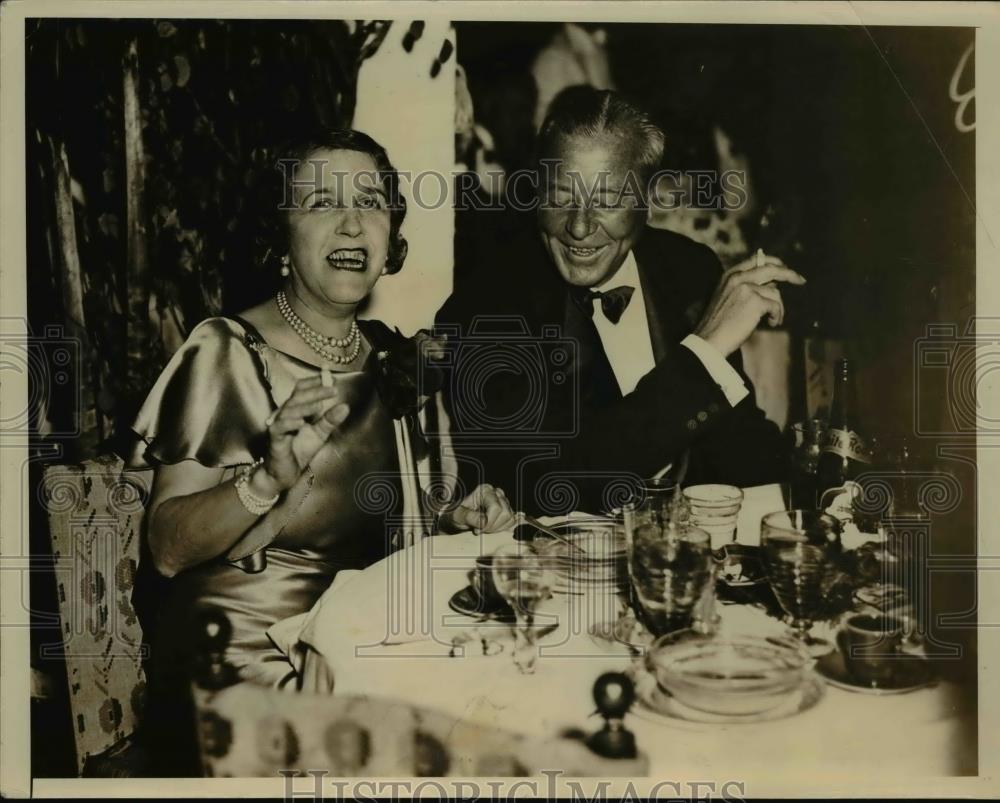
[(524, 518)]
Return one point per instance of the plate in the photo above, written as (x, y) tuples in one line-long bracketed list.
[(881, 596), (468, 602), (656, 705), (589, 532), (913, 673)]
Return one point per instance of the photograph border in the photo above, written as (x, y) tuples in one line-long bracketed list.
[(15, 761)]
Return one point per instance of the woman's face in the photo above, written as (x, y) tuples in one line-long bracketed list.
[(338, 227)]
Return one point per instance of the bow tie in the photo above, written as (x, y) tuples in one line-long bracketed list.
[(613, 302)]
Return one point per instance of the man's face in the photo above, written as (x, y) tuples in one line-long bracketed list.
[(590, 215)]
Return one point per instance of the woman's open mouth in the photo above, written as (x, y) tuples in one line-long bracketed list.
[(355, 259)]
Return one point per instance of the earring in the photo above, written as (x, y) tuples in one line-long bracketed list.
[(285, 270)]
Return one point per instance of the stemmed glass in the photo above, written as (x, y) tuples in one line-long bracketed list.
[(524, 580), (801, 553)]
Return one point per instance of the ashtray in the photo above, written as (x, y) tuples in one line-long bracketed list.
[(740, 565)]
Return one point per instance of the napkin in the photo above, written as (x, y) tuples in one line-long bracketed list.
[(758, 501)]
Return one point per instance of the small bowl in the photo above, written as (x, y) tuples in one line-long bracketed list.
[(729, 676)]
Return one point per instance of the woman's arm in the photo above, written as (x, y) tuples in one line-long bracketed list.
[(485, 510), (194, 516)]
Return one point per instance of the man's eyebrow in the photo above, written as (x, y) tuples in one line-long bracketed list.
[(602, 188)]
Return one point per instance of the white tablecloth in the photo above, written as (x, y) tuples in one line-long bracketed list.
[(389, 631)]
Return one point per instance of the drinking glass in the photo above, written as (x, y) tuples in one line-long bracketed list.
[(716, 510), (670, 566), (524, 581), (801, 552)]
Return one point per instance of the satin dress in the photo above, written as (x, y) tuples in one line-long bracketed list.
[(210, 405)]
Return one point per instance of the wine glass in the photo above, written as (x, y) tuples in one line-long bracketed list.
[(801, 553), (524, 581)]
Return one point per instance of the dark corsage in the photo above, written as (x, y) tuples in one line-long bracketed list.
[(408, 371)]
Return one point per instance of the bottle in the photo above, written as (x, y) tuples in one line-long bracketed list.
[(845, 454), (804, 461)]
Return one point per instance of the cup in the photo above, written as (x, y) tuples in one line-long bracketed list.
[(871, 646), (715, 509), (482, 581)]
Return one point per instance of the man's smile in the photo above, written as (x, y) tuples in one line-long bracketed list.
[(582, 254)]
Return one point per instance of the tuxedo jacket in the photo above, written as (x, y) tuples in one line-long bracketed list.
[(533, 413)]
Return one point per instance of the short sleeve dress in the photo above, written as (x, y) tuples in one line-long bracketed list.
[(210, 405)]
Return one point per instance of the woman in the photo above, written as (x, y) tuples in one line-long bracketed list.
[(285, 439)]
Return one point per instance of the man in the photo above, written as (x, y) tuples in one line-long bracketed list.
[(650, 374)]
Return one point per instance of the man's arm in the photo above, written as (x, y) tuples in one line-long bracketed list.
[(675, 406), (686, 402)]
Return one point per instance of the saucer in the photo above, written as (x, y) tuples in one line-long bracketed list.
[(654, 704), (468, 602), (912, 673)]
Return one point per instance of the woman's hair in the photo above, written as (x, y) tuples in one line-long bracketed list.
[(299, 149)]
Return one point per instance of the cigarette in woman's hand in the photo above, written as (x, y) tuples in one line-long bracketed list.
[(326, 377), (760, 258)]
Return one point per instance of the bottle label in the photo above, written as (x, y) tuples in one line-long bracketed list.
[(846, 443)]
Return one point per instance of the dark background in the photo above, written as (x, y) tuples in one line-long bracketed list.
[(851, 140)]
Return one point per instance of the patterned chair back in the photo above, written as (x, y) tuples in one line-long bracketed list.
[(250, 730), (95, 513), (247, 730)]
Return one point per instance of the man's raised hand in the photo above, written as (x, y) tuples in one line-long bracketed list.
[(746, 293)]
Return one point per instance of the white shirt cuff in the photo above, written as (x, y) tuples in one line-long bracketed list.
[(726, 377)]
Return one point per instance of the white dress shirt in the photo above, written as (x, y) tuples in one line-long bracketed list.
[(630, 348)]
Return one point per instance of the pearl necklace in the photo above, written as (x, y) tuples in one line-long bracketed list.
[(324, 346)]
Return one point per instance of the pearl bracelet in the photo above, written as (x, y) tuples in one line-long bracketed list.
[(253, 503)]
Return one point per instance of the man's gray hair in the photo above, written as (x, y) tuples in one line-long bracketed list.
[(582, 111)]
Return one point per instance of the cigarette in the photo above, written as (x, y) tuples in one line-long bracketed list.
[(760, 258), (326, 377)]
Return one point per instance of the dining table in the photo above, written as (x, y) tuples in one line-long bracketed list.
[(390, 631)]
